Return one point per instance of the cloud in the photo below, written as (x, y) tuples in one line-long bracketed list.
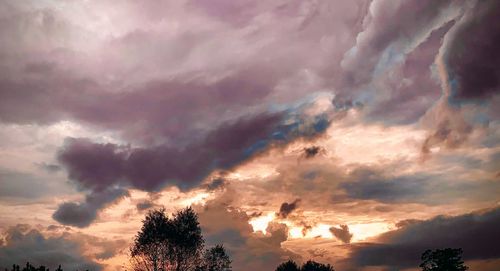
[(51, 168), (141, 206), (312, 151), (97, 167), (24, 244), (217, 183), (287, 208), (390, 30), (342, 233), (409, 88), (83, 214), (222, 223), (371, 184), (424, 188), (401, 248), (472, 63)]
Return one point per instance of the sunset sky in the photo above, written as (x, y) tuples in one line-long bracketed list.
[(356, 133)]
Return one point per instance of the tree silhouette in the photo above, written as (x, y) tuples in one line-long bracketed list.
[(307, 266), (288, 266), (175, 244), (187, 241), (151, 245), (315, 266), (447, 259), (216, 259)]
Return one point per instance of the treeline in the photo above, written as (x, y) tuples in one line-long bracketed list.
[(448, 259), (30, 267), (307, 266), (177, 244)]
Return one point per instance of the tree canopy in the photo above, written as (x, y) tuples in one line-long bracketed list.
[(307, 266), (448, 259), (175, 244)]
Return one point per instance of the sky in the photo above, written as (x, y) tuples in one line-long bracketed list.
[(356, 133)]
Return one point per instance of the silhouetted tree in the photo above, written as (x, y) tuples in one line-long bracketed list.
[(307, 266), (315, 266), (447, 259), (151, 244), (216, 259), (165, 244), (187, 241), (288, 266)]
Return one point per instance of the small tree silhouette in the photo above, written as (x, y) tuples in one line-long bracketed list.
[(216, 259), (447, 259), (175, 244), (307, 266), (315, 266), (288, 266)]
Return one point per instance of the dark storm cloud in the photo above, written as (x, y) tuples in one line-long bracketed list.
[(312, 151), (342, 233), (249, 251), (141, 107), (410, 88), (97, 167), (287, 208), (141, 206), (369, 184), (53, 81), (475, 233), (29, 245), (84, 213), (472, 58), (216, 183), (389, 23), (375, 184)]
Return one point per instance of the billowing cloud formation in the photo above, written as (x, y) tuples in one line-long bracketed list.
[(391, 30), (377, 184), (342, 233), (287, 208), (472, 56), (23, 244), (99, 167), (82, 214), (249, 251), (192, 98), (401, 248)]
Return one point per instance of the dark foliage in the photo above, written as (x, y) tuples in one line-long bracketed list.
[(215, 259), (175, 244), (448, 259), (288, 266), (30, 267), (307, 266)]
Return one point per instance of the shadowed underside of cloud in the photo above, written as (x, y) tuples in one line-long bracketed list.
[(287, 208), (249, 251), (427, 189), (83, 214), (29, 245), (475, 233), (98, 167), (472, 59), (342, 233)]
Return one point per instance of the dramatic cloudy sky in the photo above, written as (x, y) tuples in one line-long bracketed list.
[(358, 133)]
